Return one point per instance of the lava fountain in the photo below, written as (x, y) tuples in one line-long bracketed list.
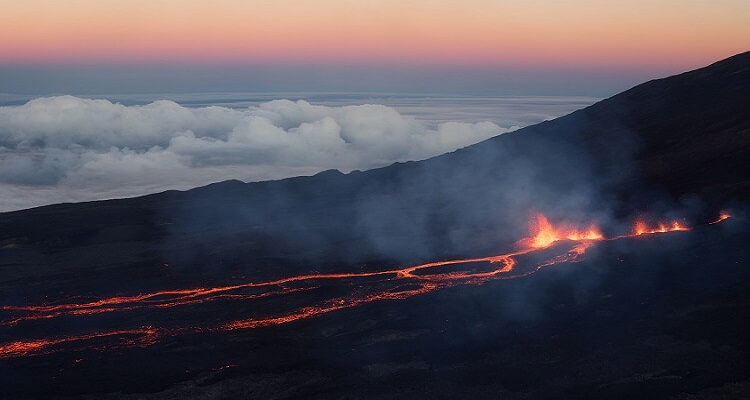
[(545, 234)]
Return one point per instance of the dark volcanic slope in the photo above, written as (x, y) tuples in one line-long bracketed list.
[(637, 319)]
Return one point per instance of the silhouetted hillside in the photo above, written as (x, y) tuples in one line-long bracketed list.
[(679, 143)]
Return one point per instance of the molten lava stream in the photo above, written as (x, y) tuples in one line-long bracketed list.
[(722, 217), (641, 228), (547, 243), (54, 311), (173, 298), (141, 337), (502, 264)]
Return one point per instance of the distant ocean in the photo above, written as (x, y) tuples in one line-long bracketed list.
[(506, 111)]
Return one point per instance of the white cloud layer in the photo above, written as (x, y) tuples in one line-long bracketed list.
[(66, 148)]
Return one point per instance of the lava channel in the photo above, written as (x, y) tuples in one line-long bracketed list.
[(567, 244)]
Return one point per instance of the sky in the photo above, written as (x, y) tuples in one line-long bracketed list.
[(464, 33), (575, 47)]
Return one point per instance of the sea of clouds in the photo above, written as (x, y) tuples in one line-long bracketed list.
[(66, 148)]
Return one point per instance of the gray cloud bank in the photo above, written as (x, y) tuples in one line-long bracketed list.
[(65, 148)]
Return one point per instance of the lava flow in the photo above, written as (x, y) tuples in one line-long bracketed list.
[(546, 233), (567, 243), (641, 228), (723, 216)]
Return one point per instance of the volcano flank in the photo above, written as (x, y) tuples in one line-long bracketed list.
[(602, 254)]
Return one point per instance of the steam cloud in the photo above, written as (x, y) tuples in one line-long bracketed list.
[(70, 149)]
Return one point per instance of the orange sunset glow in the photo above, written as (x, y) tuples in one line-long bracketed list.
[(473, 33)]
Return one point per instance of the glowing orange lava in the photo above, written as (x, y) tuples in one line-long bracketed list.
[(723, 216), (141, 337), (544, 233), (367, 287), (641, 228)]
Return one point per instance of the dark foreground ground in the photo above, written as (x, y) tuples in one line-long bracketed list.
[(650, 317)]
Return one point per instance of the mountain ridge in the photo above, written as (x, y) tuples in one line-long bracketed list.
[(676, 143), (736, 64)]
